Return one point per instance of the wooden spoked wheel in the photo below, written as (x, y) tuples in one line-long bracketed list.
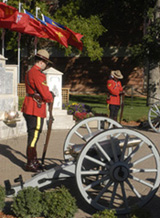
[(110, 175)]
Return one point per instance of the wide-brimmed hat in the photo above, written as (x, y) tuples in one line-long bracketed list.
[(117, 74), (43, 54)]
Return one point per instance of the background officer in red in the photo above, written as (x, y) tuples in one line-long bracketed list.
[(34, 106), (114, 90)]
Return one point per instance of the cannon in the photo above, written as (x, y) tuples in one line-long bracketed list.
[(114, 167)]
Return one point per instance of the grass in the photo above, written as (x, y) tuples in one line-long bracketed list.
[(135, 108)]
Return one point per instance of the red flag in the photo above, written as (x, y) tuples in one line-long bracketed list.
[(57, 34), (34, 28), (8, 15), (75, 39), (7, 12), (11, 19), (40, 29), (72, 37)]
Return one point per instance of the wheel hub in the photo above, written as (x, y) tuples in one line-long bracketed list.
[(119, 172)]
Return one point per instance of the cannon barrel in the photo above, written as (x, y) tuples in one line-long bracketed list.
[(76, 149)]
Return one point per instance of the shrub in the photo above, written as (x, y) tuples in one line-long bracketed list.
[(105, 214), (27, 203), (59, 204), (2, 197)]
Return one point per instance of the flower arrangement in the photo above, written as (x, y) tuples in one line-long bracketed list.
[(79, 111)]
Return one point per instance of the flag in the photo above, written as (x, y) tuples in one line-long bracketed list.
[(7, 12), (61, 35), (73, 38), (34, 27), (11, 19), (44, 30), (8, 15)]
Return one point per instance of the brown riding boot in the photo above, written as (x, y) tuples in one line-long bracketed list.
[(32, 162)]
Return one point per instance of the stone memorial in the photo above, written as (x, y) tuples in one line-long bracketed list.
[(9, 115), (61, 119)]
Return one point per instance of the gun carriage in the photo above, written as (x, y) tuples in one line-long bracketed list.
[(114, 167)]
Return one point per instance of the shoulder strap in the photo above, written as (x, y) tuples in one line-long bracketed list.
[(30, 84)]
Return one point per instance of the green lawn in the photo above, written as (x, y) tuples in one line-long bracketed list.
[(134, 108)]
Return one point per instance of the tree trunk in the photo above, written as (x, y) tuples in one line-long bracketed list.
[(153, 93), (153, 84)]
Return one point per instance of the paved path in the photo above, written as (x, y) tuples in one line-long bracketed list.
[(13, 158)]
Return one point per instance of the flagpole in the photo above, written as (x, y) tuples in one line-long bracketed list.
[(35, 41), (19, 49), (3, 34)]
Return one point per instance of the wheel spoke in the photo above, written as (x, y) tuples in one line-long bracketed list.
[(110, 126), (155, 112), (103, 190), (104, 152), (157, 109), (141, 181), (88, 128), (152, 115), (133, 189), (124, 147), (143, 170), (130, 156), (142, 159), (124, 195), (97, 182), (113, 194), (81, 136), (93, 172), (114, 149), (95, 161)]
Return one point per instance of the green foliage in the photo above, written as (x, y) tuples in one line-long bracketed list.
[(2, 197), (59, 204), (91, 28), (27, 203), (20, 102), (149, 47), (105, 214)]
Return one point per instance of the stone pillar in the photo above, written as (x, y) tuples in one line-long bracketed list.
[(61, 119), (54, 81)]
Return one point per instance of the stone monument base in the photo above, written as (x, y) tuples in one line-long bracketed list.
[(18, 128)]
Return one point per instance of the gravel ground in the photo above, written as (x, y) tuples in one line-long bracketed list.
[(13, 159)]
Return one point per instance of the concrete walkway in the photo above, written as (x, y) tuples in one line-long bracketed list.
[(13, 159)]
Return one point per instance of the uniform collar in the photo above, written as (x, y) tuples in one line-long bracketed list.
[(38, 68)]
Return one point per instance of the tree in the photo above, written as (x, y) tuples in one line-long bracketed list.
[(148, 51)]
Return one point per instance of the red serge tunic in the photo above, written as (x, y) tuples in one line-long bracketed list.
[(114, 88), (37, 80)]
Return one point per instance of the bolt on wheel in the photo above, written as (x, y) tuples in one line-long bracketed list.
[(110, 175)]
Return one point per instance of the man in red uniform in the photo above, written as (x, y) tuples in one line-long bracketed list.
[(115, 89), (34, 106)]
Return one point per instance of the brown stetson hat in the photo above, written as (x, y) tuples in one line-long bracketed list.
[(43, 54), (117, 74)]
